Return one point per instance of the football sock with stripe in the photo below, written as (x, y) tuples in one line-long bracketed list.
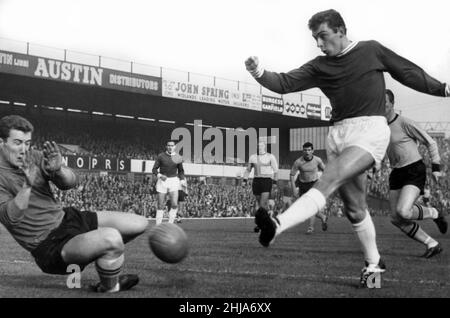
[(108, 270), (365, 231), (414, 231), (420, 212)]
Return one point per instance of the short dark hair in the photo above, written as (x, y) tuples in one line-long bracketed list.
[(14, 122), (171, 140), (308, 145), (390, 96), (331, 17)]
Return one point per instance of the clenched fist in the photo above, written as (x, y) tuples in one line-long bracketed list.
[(252, 65)]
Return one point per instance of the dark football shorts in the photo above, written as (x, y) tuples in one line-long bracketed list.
[(48, 253), (304, 187), (412, 174), (181, 196), (261, 185)]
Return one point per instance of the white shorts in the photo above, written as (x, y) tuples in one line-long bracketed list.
[(370, 133), (170, 185)]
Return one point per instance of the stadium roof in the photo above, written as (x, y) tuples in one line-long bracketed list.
[(56, 94)]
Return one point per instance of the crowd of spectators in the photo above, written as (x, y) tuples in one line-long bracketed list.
[(139, 140), (219, 199), (117, 192)]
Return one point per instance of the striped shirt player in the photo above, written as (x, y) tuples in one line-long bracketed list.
[(351, 75), (308, 168), (169, 170), (408, 177)]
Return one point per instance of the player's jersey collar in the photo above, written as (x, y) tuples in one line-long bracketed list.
[(393, 119), (347, 49)]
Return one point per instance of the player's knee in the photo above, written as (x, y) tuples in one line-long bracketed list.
[(112, 240), (139, 224), (400, 222), (404, 212), (174, 206), (355, 217), (160, 206), (355, 214)]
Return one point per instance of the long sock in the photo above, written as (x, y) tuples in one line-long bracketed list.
[(159, 216), (108, 270), (365, 231), (172, 215), (420, 212), (414, 231), (430, 242), (301, 210)]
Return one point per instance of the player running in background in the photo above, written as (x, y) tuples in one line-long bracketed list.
[(408, 177), (55, 236), (307, 169), (265, 167), (351, 75), (169, 170)]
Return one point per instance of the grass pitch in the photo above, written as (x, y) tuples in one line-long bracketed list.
[(226, 261)]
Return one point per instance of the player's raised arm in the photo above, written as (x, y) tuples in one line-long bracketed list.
[(157, 164), (62, 176), (248, 170), (417, 133), (12, 208), (282, 83), (410, 74), (293, 174), (274, 165), (180, 168), (321, 165)]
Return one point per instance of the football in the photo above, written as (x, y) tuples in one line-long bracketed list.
[(168, 242)]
